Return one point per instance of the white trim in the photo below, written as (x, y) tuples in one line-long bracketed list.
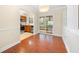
[(58, 35), (66, 45), (8, 46), (68, 50), (54, 34)]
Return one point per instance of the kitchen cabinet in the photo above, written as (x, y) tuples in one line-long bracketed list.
[(23, 18), (28, 28)]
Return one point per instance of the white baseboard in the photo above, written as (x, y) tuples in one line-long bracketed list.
[(8, 46), (66, 45), (58, 35), (55, 34)]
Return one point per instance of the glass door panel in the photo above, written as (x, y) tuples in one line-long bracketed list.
[(46, 24)]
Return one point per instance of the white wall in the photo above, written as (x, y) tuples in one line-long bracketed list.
[(70, 31), (57, 19), (72, 17), (9, 26)]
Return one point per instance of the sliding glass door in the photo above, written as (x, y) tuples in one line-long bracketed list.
[(46, 24)]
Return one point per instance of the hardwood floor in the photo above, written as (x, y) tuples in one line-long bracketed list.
[(40, 43)]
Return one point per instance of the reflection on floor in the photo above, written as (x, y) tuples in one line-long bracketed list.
[(25, 35), (39, 43)]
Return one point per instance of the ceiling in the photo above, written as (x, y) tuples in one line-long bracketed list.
[(35, 8)]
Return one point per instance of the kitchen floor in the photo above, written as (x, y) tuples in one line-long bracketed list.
[(39, 43)]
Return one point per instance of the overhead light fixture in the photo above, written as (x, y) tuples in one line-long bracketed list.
[(43, 8)]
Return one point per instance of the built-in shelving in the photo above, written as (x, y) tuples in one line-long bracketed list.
[(26, 24)]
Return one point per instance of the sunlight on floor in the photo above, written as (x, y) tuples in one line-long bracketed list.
[(25, 35)]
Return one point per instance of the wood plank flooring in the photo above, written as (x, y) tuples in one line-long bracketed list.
[(40, 43)]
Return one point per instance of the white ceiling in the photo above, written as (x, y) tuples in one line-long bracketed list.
[(35, 8)]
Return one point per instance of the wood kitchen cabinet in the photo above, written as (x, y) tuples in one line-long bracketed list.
[(28, 28), (23, 18)]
